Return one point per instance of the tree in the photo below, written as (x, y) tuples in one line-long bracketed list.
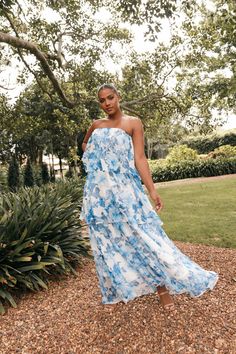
[(208, 64), (13, 178), (145, 87), (76, 34), (28, 175), (44, 173), (6, 144)]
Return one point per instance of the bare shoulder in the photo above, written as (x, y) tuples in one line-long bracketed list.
[(96, 124), (99, 123), (134, 123)]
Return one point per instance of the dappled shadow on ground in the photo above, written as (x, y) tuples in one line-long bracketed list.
[(69, 317)]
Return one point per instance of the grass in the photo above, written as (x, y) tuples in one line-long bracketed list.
[(203, 212)]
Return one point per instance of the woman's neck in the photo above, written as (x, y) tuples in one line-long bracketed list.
[(116, 116)]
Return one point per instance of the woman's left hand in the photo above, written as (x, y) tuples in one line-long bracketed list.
[(157, 200)]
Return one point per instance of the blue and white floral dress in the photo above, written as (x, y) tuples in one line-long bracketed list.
[(132, 253)]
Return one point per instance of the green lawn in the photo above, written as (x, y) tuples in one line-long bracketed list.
[(203, 212)]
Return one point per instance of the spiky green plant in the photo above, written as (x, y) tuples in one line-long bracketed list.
[(40, 235)]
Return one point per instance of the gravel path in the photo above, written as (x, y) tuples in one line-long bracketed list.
[(69, 317)]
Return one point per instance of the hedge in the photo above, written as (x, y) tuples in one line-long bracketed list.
[(205, 144), (191, 169)]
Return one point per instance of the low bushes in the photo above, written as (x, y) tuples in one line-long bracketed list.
[(183, 162), (181, 153), (40, 235), (205, 144), (223, 151), (190, 169)]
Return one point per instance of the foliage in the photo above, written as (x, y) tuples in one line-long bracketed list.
[(156, 163), (40, 235), (37, 174), (13, 174), (181, 153), (3, 179), (28, 175), (45, 173), (6, 144), (60, 35), (190, 169), (205, 144), (73, 51), (69, 174), (223, 151), (142, 86), (208, 64)]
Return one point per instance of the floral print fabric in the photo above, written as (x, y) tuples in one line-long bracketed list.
[(132, 253), (113, 190)]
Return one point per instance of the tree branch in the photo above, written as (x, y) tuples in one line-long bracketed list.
[(165, 76), (130, 110), (6, 88), (21, 10), (144, 99), (23, 59), (42, 57)]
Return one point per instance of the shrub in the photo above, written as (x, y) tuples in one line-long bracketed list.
[(156, 163), (28, 175), (37, 175), (3, 179), (40, 235), (70, 173), (191, 169), (13, 178), (45, 173), (52, 175), (223, 151), (181, 153), (205, 144)]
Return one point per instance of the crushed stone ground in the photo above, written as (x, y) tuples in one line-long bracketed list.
[(69, 318)]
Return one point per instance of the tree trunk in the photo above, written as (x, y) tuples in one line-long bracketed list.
[(40, 157), (149, 148), (61, 170)]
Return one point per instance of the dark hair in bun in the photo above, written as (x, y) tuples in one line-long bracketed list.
[(108, 86)]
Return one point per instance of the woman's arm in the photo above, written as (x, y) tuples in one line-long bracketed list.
[(89, 132), (141, 162)]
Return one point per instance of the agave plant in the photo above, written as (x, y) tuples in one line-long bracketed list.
[(40, 235)]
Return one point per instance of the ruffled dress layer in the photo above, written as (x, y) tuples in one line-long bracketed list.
[(132, 253)]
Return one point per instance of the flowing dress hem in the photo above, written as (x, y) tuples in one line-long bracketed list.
[(210, 287)]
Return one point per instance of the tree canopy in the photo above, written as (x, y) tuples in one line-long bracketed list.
[(208, 63), (56, 47), (59, 50)]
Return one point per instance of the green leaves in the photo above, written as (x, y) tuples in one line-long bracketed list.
[(210, 56), (40, 234), (206, 144), (181, 153), (190, 169)]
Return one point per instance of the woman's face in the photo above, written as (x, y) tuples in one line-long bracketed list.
[(109, 101)]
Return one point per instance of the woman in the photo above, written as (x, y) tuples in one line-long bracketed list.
[(132, 253)]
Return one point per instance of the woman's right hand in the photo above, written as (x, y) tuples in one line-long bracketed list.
[(157, 200)]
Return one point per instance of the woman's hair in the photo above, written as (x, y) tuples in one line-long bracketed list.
[(108, 86)]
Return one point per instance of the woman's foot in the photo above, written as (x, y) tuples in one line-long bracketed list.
[(165, 298)]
